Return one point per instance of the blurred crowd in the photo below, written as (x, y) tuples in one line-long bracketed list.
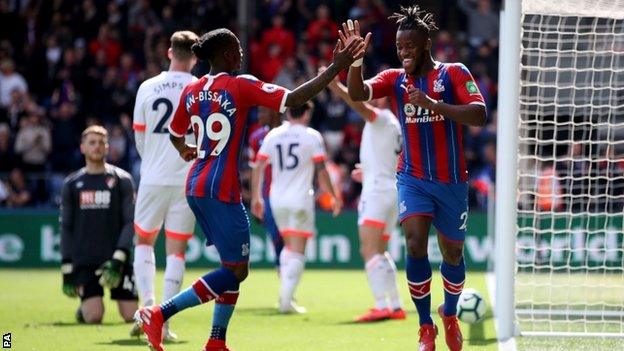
[(67, 64)]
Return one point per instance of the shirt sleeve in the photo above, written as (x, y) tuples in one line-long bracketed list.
[(181, 119), (381, 85), (127, 213), (138, 117), (318, 148), (67, 221), (465, 88), (255, 92)]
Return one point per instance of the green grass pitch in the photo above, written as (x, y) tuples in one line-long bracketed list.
[(39, 317)]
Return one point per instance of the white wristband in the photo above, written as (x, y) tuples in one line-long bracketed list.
[(67, 268), (119, 255), (358, 62)]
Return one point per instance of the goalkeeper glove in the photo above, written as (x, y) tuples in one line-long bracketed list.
[(111, 271), (69, 285)]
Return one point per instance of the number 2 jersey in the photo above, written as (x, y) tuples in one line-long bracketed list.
[(157, 99), (217, 107), (433, 147)]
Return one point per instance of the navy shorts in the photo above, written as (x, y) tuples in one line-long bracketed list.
[(446, 203), (269, 221), (225, 225)]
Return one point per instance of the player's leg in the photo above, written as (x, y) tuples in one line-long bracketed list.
[(227, 227), (450, 222), (291, 269), (179, 227), (271, 227), (91, 310), (126, 295), (370, 233), (149, 213), (392, 290), (415, 214), (296, 226)]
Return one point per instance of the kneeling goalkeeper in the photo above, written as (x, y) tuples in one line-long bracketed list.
[(97, 215)]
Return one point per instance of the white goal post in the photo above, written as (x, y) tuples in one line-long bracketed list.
[(559, 248)]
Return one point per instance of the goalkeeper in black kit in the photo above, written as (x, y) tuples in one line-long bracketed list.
[(97, 216)]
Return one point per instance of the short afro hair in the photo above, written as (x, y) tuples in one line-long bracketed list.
[(212, 43)]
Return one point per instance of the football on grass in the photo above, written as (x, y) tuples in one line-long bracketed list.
[(471, 306)]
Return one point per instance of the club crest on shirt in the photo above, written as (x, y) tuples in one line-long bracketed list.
[(110, 182), (438, 87), (245, 249), (409, 110), (402, 207), (269, 88)]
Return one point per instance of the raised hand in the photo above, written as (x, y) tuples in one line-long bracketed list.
[(351, 31)]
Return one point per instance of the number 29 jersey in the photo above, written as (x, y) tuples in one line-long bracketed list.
[(156, 100), (217, 107)]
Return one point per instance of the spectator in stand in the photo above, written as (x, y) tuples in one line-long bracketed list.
[(272, 64), (10, 81), (107, 42), (33, 143), (322, 28), (482, 22), (444, 50), (334, 124), (19, 193), (7, 157), (280, 36), (287, 74)]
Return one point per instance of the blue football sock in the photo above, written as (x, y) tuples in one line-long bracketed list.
[(204, 289), (224, 308), (419, 281), (453, 278)]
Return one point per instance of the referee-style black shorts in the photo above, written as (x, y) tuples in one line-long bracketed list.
[(85, 277)]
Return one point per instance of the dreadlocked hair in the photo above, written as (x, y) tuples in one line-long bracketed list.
[(212, 43), (414, 18)]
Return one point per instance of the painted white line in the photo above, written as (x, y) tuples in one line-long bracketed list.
[(509, 344)]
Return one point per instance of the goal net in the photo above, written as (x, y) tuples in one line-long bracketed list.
[(570, 238)]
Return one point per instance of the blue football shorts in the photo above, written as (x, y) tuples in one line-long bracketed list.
[(446, 203), (225, 225)]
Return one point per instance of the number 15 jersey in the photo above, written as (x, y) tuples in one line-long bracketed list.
[(217, 107), (292, 149), (156, 100)]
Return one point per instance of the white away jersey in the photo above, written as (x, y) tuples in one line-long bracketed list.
[(292, 149), (379, 150), (156, 101)]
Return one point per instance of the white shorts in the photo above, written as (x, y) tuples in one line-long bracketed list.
[(156, 204), (379, 210), (294, 221)]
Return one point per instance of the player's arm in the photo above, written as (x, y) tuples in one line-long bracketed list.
[(343, 57), (138, 122), (358, 91), (112, 270), (67, 233), (177, 130), (473, 115), (325, 182), (257, 175), (363, 109)]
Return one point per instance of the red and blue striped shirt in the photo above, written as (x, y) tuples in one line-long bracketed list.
[(433, 147), (217, 107), (255, 142)]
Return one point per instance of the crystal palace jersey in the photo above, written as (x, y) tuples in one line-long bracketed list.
[(217, 108), (255, 142), (156, 100), (432, 144)]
